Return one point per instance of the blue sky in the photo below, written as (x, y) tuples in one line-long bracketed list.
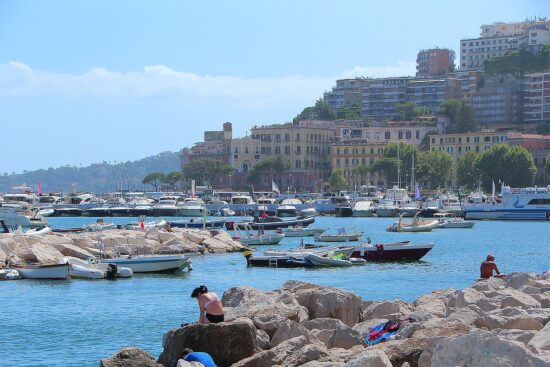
[(87, 81)]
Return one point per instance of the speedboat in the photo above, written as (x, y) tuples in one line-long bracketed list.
[(192, 207), (309, 212), (260, 238), (387, 208), (283, 261), (288, 208), (301, 231), (416, 225), (447, 220), (327, 261), (343, 235), (268, 223), (224, 212), (9, 274), (98, 211), (53, 271), (152, 263), (68, 211), (99, 225), (161, 223), (363, 209), (398, 251), (83, 269)]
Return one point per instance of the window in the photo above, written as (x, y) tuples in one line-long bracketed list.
[(338, 151), (298, 164), (408, 134), (400, 135), (346, 162), (338, 162), (387, 135), (487, 138), (298, 150), (433, 140), (236, 150), (245, 150), (476, 139), (297, 136), (467, 139), (277, 137), (345, 150), (277, 150), (287, 137), (417, 134), (459, 139), (477, 148)]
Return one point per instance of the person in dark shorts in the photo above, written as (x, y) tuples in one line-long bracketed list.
[(201, 357), (210, 305)]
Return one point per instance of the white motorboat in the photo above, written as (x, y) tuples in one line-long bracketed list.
[(288, 208), (9, 274), (12, 218), (161, 223), (152, 263), (363, 209), (34, 231), (259, 238), (309, 212), (447, 220), (46, 212), (387, 208), (83, 269), (192, 207), (328, 261), (343, 235), (99, 225), (301, 231), (224, 212), (416, 225), (319, 250), (54, 271)]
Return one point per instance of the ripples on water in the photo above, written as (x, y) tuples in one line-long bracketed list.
[(75, 323)]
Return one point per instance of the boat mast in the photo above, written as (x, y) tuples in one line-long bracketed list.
[(413, 184), (398, 168)]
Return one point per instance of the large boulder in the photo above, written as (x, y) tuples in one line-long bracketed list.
[(363, 328), (290, 329), (541, 341), (480, 349), (434, 303), (129, 357), (266, 309), (293, 352), (370, 358), (403, 350), (391, 310), (518, 280), (74, 251), (512, 298), (39, 253), (194, 235), (226, 342), (323, 301), (334, 333), (509, 318), (216, 246)]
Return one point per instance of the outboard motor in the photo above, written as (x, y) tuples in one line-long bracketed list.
[(111, 271)]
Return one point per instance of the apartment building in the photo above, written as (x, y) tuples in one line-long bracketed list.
[(216, 145), (429, 93), (346, 156), (499, 100), (434, 62), (538, 146), (347, 92), (409, 132), (499, 38), (460, 143), (537, 98)]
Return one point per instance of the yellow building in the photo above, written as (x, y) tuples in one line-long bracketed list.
[(460, 143), (346, 156)]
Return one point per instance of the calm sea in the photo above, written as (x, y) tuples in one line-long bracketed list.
[(77, 322)]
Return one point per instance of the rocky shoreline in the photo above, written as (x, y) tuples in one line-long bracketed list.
[(495, 322), (50, 248)]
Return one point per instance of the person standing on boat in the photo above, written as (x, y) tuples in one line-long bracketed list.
[(210, 305), (487, 268)]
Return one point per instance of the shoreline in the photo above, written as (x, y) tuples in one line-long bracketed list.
[(493, 322)]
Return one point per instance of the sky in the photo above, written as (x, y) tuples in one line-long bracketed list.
[(93, 80)]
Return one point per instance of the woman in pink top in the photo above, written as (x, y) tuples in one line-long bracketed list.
[(210, 306)]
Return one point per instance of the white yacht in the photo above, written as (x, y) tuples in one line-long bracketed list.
[(530, 203), (192, 207), (288, 208), (363, 209), (242, 200)]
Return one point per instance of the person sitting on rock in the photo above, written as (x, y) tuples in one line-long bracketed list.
[(487, 268), (201, 357), (210, 306)]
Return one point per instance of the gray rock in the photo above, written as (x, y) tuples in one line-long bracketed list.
[(262, 340), (541, 340), (184, 363), (290, 329), (334, 333), (363, 328), (323, 301), (518, 280), (129, 357), (370, 358), (522, 336), (509, 318), (391, 310), (401, 351), (226, 342)]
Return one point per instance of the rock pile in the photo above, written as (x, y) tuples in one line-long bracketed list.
[(493, 323), (50, 248)]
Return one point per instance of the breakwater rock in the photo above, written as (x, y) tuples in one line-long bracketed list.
[(495, 322), (50, 248)]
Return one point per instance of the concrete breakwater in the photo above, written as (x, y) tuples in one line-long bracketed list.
[(495, 322), (50, 248)]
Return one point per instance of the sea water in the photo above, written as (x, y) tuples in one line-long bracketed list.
[(77, 322)]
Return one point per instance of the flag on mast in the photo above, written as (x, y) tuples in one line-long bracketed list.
[(192, 188), (275, 188), (39, 188), (416, 192), (493, 188)]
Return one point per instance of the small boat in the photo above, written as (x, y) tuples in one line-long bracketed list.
[(330, 260), (99, 225), (192, 207), (416, 225), (300, 231), (344, 209), (46, 212), (67, 212), (305, 249), (275, 261), (98, 211), (54, 271), (447, 220), (154, 224), (224, 212), (398, 251), (387, 208), (68, 230), (78, 271), (343, 235), (149, 263), (33, 232), (306, 212), (198, 223), (268, 223), (9, 274), (288, 208), (260, 238), (82, 269)]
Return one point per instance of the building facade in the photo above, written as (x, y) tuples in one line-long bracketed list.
[(537, 98), (460, 143), (346, 156), (499, 100), (434, 62), (538, 146), (216, 145), (429, 93), (347, 92), (409, 132), (499, 38)]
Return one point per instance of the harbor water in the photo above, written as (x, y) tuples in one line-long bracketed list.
[(77, 322)]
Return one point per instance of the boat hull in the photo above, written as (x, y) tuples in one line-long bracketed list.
[(344, 212), (56, 271), (487, 214), (336, 238), (303, 222), (197, 224), (317, 260), (276, 262), (392, 252), (152, 264), (254, 241)]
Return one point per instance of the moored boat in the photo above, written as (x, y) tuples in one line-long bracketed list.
[(398, 251), (53, 271), (416, 225), (9, 274), (152, 263), (99, 225), (197, 223), (327, 261), (301, 231), (343, 235), (447, 220), (268, 223)]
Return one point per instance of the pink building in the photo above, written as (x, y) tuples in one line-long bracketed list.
[(538, 146)]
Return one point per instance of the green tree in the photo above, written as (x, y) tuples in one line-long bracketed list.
[(544, 129), (434, 168), (172, 178), (204, 170), (388, 164), (337, 181), (154, 179), (460, 115), (361, 171), (467, 173), (407, 111), (272, 166), (320, 111), (518, 63), (513, 165), (425, 143), (351, 112)]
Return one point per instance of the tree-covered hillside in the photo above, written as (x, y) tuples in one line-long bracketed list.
[(98, 177)]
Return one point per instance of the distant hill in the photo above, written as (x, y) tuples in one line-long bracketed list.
[(97, 177)]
